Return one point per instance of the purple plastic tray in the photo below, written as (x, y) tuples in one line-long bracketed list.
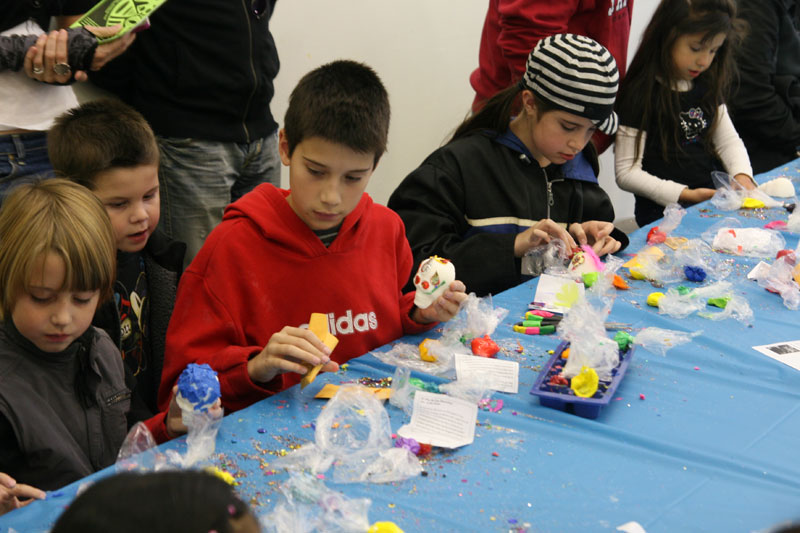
[(561, 397)]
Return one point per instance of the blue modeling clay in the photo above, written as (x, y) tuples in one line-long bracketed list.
[(694, 273), (199, 385)]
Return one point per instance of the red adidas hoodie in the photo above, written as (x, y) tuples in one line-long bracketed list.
[(263, 268)]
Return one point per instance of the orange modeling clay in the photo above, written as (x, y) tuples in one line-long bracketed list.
[(318, 325)]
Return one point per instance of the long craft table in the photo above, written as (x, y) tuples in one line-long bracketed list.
[(706, 438)]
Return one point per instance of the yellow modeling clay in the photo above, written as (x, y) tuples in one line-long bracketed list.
[(653, 298), (585, 383)]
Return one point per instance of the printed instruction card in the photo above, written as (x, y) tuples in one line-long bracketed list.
[(502, 375), (441, 420), (787, 352)]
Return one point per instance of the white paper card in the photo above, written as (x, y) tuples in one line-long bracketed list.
[(787, 352), (502, 375), (556, 293), (441, 420)]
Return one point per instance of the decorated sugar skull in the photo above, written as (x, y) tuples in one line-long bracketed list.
[(584, 261), (432, 279)]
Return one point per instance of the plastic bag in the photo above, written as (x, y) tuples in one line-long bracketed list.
[(202, 435), (730, 194), (583, 326), (736, 307), (353, 432), (404, 387), (695, 253), (679, 304), (728, 236), (779, 279), (472, 390), (139, 451), (658, 340), (407, 356), (549, 257), (673, 214), (308, 505), (476, 318)]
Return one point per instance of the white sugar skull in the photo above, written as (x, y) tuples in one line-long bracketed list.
[(433, 277)]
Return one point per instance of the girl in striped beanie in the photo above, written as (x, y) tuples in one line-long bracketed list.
[(521, 171)]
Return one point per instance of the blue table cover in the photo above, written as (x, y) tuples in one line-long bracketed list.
[(712, 445)]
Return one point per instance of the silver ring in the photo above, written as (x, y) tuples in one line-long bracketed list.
[(62, 69), (38, 70)]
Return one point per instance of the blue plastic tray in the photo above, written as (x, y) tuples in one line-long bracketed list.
[(561, 397)]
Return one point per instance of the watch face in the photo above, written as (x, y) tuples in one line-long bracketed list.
[(62, 69)]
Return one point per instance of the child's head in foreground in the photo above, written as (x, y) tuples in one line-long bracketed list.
[(108, 147), (335, 132), (187, 501), (57, 261)]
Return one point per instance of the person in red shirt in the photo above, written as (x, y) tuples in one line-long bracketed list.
[(513, 27), (322, 246)]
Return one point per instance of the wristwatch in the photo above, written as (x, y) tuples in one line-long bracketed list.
[(62, 69)]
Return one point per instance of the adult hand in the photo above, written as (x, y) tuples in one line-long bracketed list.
[(41, 59), (108, 51), (596, 234), (695, 196), (290, 350), (541, 233), (52, 49), (444, 307), (11, 493)]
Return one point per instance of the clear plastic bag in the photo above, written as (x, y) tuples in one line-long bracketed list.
[(680, 305), (730, 195), (658, 340), (736, 308), (308, 505), (697, 254), (476, 318), (729, 236), (779, 279), (139, 451), (583, 326), (353, 431), (407, 356), (673, 214), (545, 258), (202, 435)]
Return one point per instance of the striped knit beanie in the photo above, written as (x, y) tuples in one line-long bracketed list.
[(575, 74)]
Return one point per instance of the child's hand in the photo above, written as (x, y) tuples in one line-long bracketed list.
[(695, 196), (444, 307), (11, 492), (745, 181), (540, 233), (596, 234), (174, 420), (286, 351)]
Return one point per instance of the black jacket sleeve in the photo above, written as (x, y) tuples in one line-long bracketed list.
[(81, 46), (431, 202)]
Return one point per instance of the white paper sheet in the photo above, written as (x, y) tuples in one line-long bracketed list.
[(556, 293), (787, 352), (441, 420), (503, 376)]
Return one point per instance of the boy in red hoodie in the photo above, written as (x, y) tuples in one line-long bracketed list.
[(322, 246)]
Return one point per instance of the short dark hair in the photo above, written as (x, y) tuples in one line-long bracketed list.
[(131, 502), (343, 102), (97, 136)]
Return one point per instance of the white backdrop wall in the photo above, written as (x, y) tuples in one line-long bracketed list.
[(424, 50)]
